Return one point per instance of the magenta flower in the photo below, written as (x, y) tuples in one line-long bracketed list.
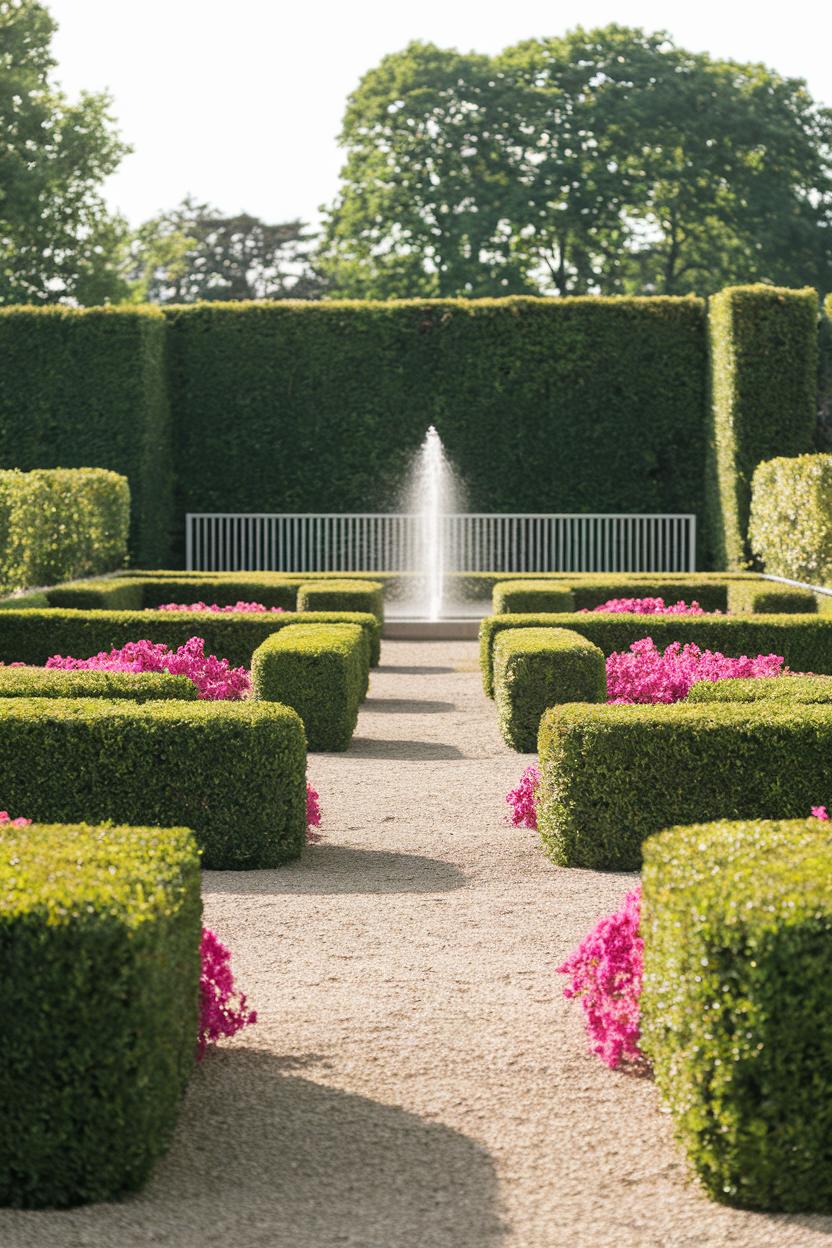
[(222, 1009), (313, 814), (522, 800), (645, 674), (204, 606), (650, 606), (215, 678)]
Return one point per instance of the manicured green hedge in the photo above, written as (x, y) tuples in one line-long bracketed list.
[(61, 522), (111, 594), (346, 595), (527, 595), (148, 591), (88, 388), (613, 775), (600, 390), (233, 771), (793, 689), (34, 636), (321, 671), (769, 598), (736, 1007), (791, 517), (539, 667), (24, 602), (99, 944), (50, 682), (805, 641), (764, 354)]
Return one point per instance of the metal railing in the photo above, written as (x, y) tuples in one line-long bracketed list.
[(471, 542)]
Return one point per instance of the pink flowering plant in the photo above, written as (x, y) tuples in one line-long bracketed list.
[(215, 679), (213, 606), (523, 799), (313, 814), (5, 818), (649, 606), (646, 674), (223, 1010)]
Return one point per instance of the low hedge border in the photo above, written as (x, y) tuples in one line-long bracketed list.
[(736, 1007), (34, 636), (25, 602), (535, 668), (530, 596), (770, 599), (613, 775), (805, 641), (321, 671), (235, 772), (344, 595), (99, 943), (49, 682), (790, 689)]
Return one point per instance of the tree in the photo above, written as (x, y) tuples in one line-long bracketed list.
[(194, 252), (607, 160), (57, 240)]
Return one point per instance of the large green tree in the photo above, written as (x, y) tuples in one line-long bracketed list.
[(607, 160), (57, 240)]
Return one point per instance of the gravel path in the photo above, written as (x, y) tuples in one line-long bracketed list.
[(416, 1079)]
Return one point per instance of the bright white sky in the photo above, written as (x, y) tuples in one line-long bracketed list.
[(240, 103)]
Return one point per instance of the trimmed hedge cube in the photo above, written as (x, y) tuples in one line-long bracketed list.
[(112, 594), (99, 945), (613, 775), (320, 670), (736, 1007), (49, 682), (509, 597), (535, 668), (789, 689), (346, 595), (235, 772), (769, 598)]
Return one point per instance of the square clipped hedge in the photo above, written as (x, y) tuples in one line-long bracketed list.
[(50, 682), (535, 668), (794, 689), (345, 595), (790, 529), (530, 596), (769, 598), (736, 1006), (613, 775), (99, 945), (235, 772), (321, 671)]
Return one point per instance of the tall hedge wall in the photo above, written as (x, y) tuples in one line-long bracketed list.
[(763, 367), (86, 388), (543, 405)]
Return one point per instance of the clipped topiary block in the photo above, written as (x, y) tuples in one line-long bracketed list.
[(535, 668), (525, 596), (346, 595), (321, 671), (99, 944), (736, 1005), (769, 598)]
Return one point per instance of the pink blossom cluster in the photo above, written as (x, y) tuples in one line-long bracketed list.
[(214, 678), (605, 972), (523, 799), (313, 814), (214, 606), (649, 606), (645, 674), (5, 818), (222, 1009), (820, 812)]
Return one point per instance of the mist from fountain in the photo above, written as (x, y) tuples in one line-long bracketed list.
[(433, 491)]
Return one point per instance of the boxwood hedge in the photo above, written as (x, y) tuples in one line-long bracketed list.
[(539, 667), (99, 944), (40, 682), (233, 771), (769, 598), (736, 1006), (613, 775), (790, 528), (794, 689), (342, 595), (529, 596)]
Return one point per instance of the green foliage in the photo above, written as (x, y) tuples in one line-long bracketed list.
[(574, 165), (796, 689), (235, 772), (535, 668), (99, 943), (764, 353), (88, 389), (509, 597), (613, 775), (790, 529), (805, 641), (736, 1008), (346, 595), (57, 240), (22, 602), (41, 682), (34, 636), (112, 594), (600, 390), (321, 671), (769, 598), (61, 522)]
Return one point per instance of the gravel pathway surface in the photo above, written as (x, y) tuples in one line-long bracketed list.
[(416, 1079)]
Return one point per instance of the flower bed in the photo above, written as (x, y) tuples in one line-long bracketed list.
[(645, 674), (647, 606), (215, 606), (215, 679)]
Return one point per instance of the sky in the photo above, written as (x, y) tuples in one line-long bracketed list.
[(240, 103)]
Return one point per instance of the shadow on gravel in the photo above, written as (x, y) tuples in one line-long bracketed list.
[(326, 869), (405, 751), (392, 669), (407, 706), (265, 1157)]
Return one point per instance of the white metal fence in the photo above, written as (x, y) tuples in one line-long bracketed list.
[(236, 542)]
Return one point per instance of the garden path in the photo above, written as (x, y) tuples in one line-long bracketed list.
[(416, 1079)]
